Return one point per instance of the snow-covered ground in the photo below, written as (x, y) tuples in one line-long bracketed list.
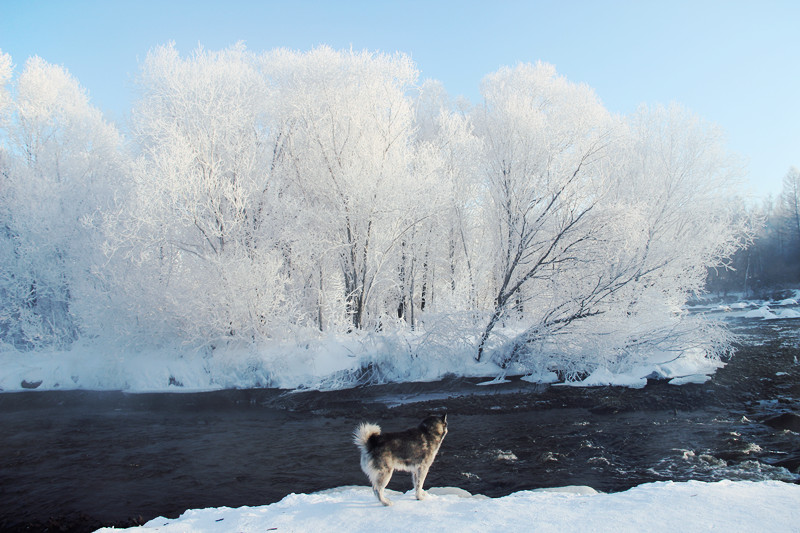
[(324, 364), (655, 507)]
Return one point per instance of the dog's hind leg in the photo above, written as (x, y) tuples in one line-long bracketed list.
[(381, 480), (419, 479)]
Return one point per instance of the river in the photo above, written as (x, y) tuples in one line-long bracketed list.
[(75, 461)]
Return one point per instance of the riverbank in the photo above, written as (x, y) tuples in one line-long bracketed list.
[(656, 507)]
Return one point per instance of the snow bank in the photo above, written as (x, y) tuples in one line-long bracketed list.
[(329, 363), (325, 365), (787, 313), (762, 312), (654, 507), (691, 378), (691, 367), (603, 376), (767, 313)]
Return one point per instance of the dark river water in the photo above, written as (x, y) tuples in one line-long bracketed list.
[(75, 461)]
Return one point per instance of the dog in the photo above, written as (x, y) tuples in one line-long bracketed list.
[(412, 450)]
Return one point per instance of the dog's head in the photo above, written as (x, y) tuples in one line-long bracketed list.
[(435, 425)]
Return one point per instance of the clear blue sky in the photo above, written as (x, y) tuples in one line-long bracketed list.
[(734, 63)]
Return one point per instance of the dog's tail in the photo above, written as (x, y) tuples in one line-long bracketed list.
[(363, 433)]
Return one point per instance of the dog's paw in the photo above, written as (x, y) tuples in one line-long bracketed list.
[(421, 495), (387, 503)]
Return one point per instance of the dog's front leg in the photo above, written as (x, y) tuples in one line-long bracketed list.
[(419, 480)]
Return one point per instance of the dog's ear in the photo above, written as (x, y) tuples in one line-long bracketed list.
[(444, 418)]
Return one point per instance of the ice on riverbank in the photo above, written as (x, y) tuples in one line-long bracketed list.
[(655, 507)]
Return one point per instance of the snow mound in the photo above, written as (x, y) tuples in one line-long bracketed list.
[(603, 376), (786, 313), (499, 380), (762, 312), (691, 367), (766, 313), (655, 507), (542, 377), (692, 378)]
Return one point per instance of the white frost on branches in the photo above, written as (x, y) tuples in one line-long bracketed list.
[(292, 195)]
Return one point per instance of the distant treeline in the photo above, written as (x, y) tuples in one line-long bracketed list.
[(771, 263)]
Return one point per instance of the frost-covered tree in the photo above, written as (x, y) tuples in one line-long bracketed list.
[(6, 71), (354, 170), (292, 193), (790, 205), (197, 239), (677, 190), (600, 228), (546, 148), (770, 262), (450, 133), (61, 166)]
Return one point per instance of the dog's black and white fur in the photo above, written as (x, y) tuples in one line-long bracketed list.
[(412, 450)]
